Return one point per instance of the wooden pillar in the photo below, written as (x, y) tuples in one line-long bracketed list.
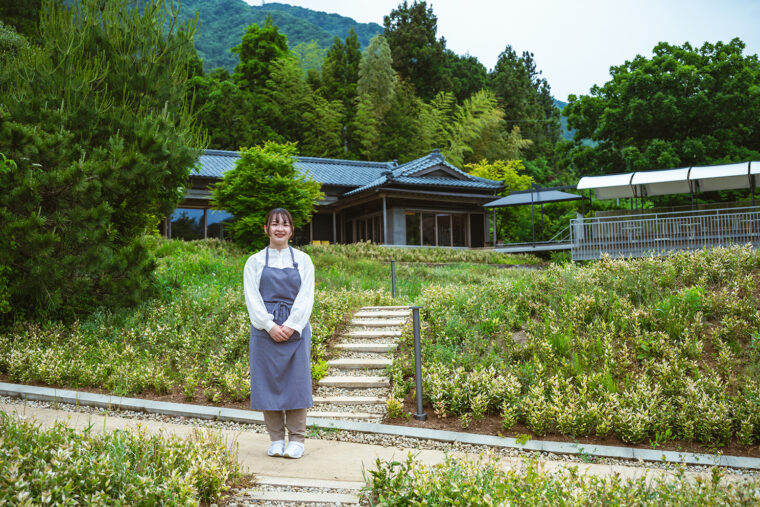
[(385, 224), (335, 230), (205, 223)]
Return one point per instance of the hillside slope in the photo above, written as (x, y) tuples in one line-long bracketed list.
[(223, 23)]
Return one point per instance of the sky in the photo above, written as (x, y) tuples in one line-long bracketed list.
[(574, 42)]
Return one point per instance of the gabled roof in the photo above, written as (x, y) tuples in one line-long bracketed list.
[(414, 173), (362, 176), (328, 171)]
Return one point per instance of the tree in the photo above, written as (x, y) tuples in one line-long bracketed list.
[(264, 178), (232, 117), (24, 16), (377, 79), (340, 70), (455, 129), (468, 76), (103, 141), (259, 49), (418, 56), (512, 174), (340, 77), (526, 100), (683, 106)]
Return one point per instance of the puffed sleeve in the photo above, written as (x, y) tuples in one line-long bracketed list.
[(260, 318), (304, 302)]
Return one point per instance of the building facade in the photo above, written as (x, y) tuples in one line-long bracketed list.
[(424, 202)]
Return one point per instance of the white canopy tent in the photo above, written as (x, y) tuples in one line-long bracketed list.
[(669, 181), (609, 186), (742, 175)]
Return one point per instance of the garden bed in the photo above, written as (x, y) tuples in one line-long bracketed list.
[(655, 352)]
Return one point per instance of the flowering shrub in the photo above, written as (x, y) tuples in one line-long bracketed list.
[(645, 349), (458, 481), (60, 466), (193, 336)]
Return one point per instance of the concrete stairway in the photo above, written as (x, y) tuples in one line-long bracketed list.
[(356, 386)]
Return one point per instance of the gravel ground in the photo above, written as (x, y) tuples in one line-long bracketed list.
[(375, 408), (376, 439)]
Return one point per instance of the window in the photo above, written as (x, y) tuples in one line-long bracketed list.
[(412, 228), (428, 229), (186, 224), (444, 229), (216, 221)]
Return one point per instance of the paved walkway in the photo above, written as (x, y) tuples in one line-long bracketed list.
[(324, 459)]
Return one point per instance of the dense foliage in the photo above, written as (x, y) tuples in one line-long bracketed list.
[(683, 106), (60, 466), (264, 178), (102, 141), (486, 482), (647, 350)]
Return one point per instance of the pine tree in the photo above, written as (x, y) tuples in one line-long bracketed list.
[(103, 141)]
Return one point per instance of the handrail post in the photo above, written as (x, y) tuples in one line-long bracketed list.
[(393, 278), (420, 415)]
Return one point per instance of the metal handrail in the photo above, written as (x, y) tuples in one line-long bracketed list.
[(662, 233)]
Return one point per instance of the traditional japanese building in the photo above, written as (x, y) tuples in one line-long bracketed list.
[(426, 202)]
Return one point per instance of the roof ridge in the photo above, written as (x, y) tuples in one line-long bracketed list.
[(228, 153), (365, 163)]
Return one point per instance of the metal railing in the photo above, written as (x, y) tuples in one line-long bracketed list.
[(662, 233)]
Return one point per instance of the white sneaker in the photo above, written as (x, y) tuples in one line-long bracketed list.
[(294, 450), (276, 448)]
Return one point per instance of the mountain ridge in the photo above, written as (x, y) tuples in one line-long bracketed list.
[(224, 22)]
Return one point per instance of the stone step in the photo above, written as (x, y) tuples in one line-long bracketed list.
[(359, 364), (378, 322), (382, 315), (299, 482), (355, 382), (367, 347), (339, 415), (350, 400), (373, 334), (299, 497), (375, 308)]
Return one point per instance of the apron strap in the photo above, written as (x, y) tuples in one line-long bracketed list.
[(266, 263), (292, 257)]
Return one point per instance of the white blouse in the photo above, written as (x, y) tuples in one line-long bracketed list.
[(301, 311)]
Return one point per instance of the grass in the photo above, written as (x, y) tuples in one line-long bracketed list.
[(60, 466), (457, 481)]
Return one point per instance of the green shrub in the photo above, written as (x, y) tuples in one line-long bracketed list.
[(457, 481), (61, 466)]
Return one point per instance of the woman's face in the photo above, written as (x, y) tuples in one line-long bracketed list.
[(279, 231)]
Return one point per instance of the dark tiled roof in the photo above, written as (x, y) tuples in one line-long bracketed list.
[(405, 175), (328, 171), (360, 175)]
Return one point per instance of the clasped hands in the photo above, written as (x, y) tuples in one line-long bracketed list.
[(280, 333)]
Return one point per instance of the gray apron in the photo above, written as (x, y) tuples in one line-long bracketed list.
[(280, 371)]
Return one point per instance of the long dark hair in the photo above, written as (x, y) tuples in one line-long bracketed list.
[(283, 215)]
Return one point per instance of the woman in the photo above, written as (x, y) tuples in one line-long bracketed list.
[(279, 294)]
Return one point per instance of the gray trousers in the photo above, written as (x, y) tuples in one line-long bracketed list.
[(277, 420)]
